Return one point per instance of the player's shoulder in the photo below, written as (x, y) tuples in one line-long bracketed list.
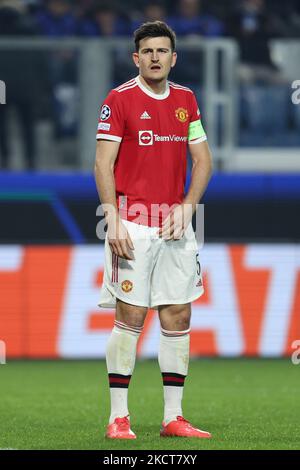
[(125, 87), (123, 93), (180, 88)]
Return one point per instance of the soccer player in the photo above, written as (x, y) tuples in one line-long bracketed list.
[(151, 258)]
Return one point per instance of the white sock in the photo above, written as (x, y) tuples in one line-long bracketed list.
[(120, 361), (173, 358)]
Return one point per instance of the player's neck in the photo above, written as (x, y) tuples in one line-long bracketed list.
[(158, 88)]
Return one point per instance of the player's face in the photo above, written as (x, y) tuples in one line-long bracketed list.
[(155, 58)]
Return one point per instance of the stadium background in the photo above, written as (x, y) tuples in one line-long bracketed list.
[(51, 262)]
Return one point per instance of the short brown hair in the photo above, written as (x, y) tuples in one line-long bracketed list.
[(154, 29)]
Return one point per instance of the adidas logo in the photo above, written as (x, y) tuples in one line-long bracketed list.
[(145, 115)]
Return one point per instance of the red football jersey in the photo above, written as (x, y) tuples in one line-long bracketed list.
[(150, 169)]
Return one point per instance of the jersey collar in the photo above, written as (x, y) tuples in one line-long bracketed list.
[(150, 93)]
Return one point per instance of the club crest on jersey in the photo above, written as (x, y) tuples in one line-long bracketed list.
[(105, 112), (127, 286), (181, 114), (145, 137)]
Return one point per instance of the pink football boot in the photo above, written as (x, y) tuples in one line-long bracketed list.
[(120, 429), (182, 428)]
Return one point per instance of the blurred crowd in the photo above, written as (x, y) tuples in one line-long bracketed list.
[(251, 22), (50, 89), (91, 18)]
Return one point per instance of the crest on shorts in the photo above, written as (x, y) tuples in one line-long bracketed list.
[(181, 114), (127, 286)]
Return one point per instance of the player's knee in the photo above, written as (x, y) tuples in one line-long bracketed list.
[(182, 322), (177, 318), (135, 321), (131, 315)]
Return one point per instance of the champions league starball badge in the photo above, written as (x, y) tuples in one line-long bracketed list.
[(105, 112)]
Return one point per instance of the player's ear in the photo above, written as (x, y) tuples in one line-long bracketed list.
[(174, 59), (135, 58)]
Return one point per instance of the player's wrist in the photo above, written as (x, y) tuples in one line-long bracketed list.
[(112, 216), (189, 206)]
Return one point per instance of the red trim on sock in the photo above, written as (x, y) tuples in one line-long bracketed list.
[(115, 380), (172, 379)]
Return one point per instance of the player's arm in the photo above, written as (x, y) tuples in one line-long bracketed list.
[(176, 223), (118, 237), (201, 172), (201, 157)]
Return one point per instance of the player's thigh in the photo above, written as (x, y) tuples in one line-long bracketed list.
[(129, 280), (177, 275)]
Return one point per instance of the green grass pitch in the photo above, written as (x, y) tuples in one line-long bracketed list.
[(244, 403)]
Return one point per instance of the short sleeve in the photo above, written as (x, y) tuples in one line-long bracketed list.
[(111, 121), (196, 132)]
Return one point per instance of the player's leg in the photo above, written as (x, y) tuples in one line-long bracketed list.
[(126, 282), (173, 361), (173, 355), (176, 282), (121, 355)]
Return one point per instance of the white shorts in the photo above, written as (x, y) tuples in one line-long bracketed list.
[(162, 272)]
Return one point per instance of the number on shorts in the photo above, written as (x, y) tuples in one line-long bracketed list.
[(198, 265)]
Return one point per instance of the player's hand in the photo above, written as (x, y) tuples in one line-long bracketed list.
[(175, 224), (119, 239)]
